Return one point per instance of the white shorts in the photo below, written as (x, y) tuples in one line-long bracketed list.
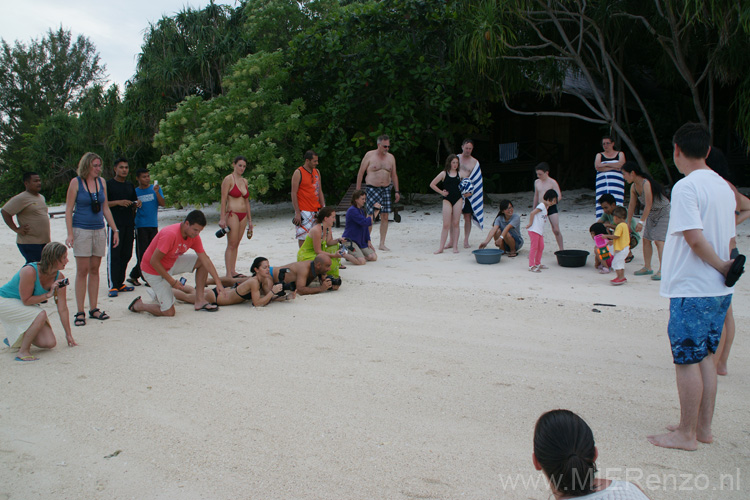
[(161, 287), (618, 261)]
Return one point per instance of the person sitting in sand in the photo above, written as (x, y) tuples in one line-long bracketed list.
[(603, 252), (320, 241), (302, 274), (565, 451), (259, 289), (25, 322), (506, 230), (357, 230)]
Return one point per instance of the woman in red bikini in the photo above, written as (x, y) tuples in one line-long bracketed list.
[(235, 213)]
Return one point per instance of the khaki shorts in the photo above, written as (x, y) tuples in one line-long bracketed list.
[(161, 287), (89, 242), (359, 253)]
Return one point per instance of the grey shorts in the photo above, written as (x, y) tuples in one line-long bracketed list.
[(89, 242)]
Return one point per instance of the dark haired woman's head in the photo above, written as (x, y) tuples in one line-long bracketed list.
[(256, 264), (323, 213), (504, 205), (448, 162), (356, 195), (632, 167), (564, 449), (657, 190), (239, 158)]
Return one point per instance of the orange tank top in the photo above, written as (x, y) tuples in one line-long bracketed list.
[(308, 191)]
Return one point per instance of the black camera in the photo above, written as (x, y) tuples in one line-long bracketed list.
[(334, 280), (63, 283), (285, 286), (96, 206), (222, 232)]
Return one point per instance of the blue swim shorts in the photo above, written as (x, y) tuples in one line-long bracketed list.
[(695, 325)]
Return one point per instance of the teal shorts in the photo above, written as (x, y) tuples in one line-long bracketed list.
[(695, 325)]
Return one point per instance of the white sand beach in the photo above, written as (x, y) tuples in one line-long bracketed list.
[(422, 377)]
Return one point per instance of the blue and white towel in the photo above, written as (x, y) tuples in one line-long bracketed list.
[(477, 197)]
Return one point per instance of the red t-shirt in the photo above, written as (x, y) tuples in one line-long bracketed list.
[(171, 243)]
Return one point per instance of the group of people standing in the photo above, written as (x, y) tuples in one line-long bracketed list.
[(89, 202)]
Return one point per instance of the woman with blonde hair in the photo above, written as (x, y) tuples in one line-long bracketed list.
[(25, 322), (85, 210)]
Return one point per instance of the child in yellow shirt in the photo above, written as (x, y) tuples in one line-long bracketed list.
[(621, 239)]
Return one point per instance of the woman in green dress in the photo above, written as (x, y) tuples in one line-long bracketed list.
[(320, 240)]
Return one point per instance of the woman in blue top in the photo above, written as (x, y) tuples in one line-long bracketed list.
[(87, 194), (505, 230), (25, 322), (357, 231)]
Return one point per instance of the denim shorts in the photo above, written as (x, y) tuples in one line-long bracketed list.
[(695, 325)]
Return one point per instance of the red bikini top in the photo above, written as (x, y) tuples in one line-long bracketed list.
[(236, 193)]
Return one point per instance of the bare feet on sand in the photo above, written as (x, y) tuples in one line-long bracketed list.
[(466, 244), (676, 440), (703, 437), (384, 248), (455, 250), (440, 250)]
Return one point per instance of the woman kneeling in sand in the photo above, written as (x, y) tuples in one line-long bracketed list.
[(259, 289)]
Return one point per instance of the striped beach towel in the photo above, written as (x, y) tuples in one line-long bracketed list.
[(477, 197)]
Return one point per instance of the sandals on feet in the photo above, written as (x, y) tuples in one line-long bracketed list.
[(79, 319), (629, 258), (643, 272), (102, 315)]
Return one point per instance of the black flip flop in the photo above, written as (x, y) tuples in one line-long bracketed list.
[(207, 308), (735, 271), (132, 304)]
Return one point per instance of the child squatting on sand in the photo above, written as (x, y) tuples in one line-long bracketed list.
[(621, 238), (537, 220), (602, 249)]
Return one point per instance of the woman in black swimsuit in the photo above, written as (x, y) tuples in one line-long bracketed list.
[(259, 289), (452, 201)]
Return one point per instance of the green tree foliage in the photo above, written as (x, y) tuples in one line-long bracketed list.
[(184, 55), (370, 68), (46, 78), (254, 118), (638, 68), (58, 142)]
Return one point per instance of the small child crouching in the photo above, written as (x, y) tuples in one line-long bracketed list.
[(602, 250), (621, 238)]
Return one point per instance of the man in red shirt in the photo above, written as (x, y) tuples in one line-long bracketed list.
[(166, 257), (307, 195)]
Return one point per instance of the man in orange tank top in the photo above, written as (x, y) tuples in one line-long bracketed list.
[(307, 195)]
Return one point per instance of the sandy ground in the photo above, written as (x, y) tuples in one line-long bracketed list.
[(421, 378)]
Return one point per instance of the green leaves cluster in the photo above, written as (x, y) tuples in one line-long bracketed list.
[(253, 118), (42, 85), (370, 68)]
